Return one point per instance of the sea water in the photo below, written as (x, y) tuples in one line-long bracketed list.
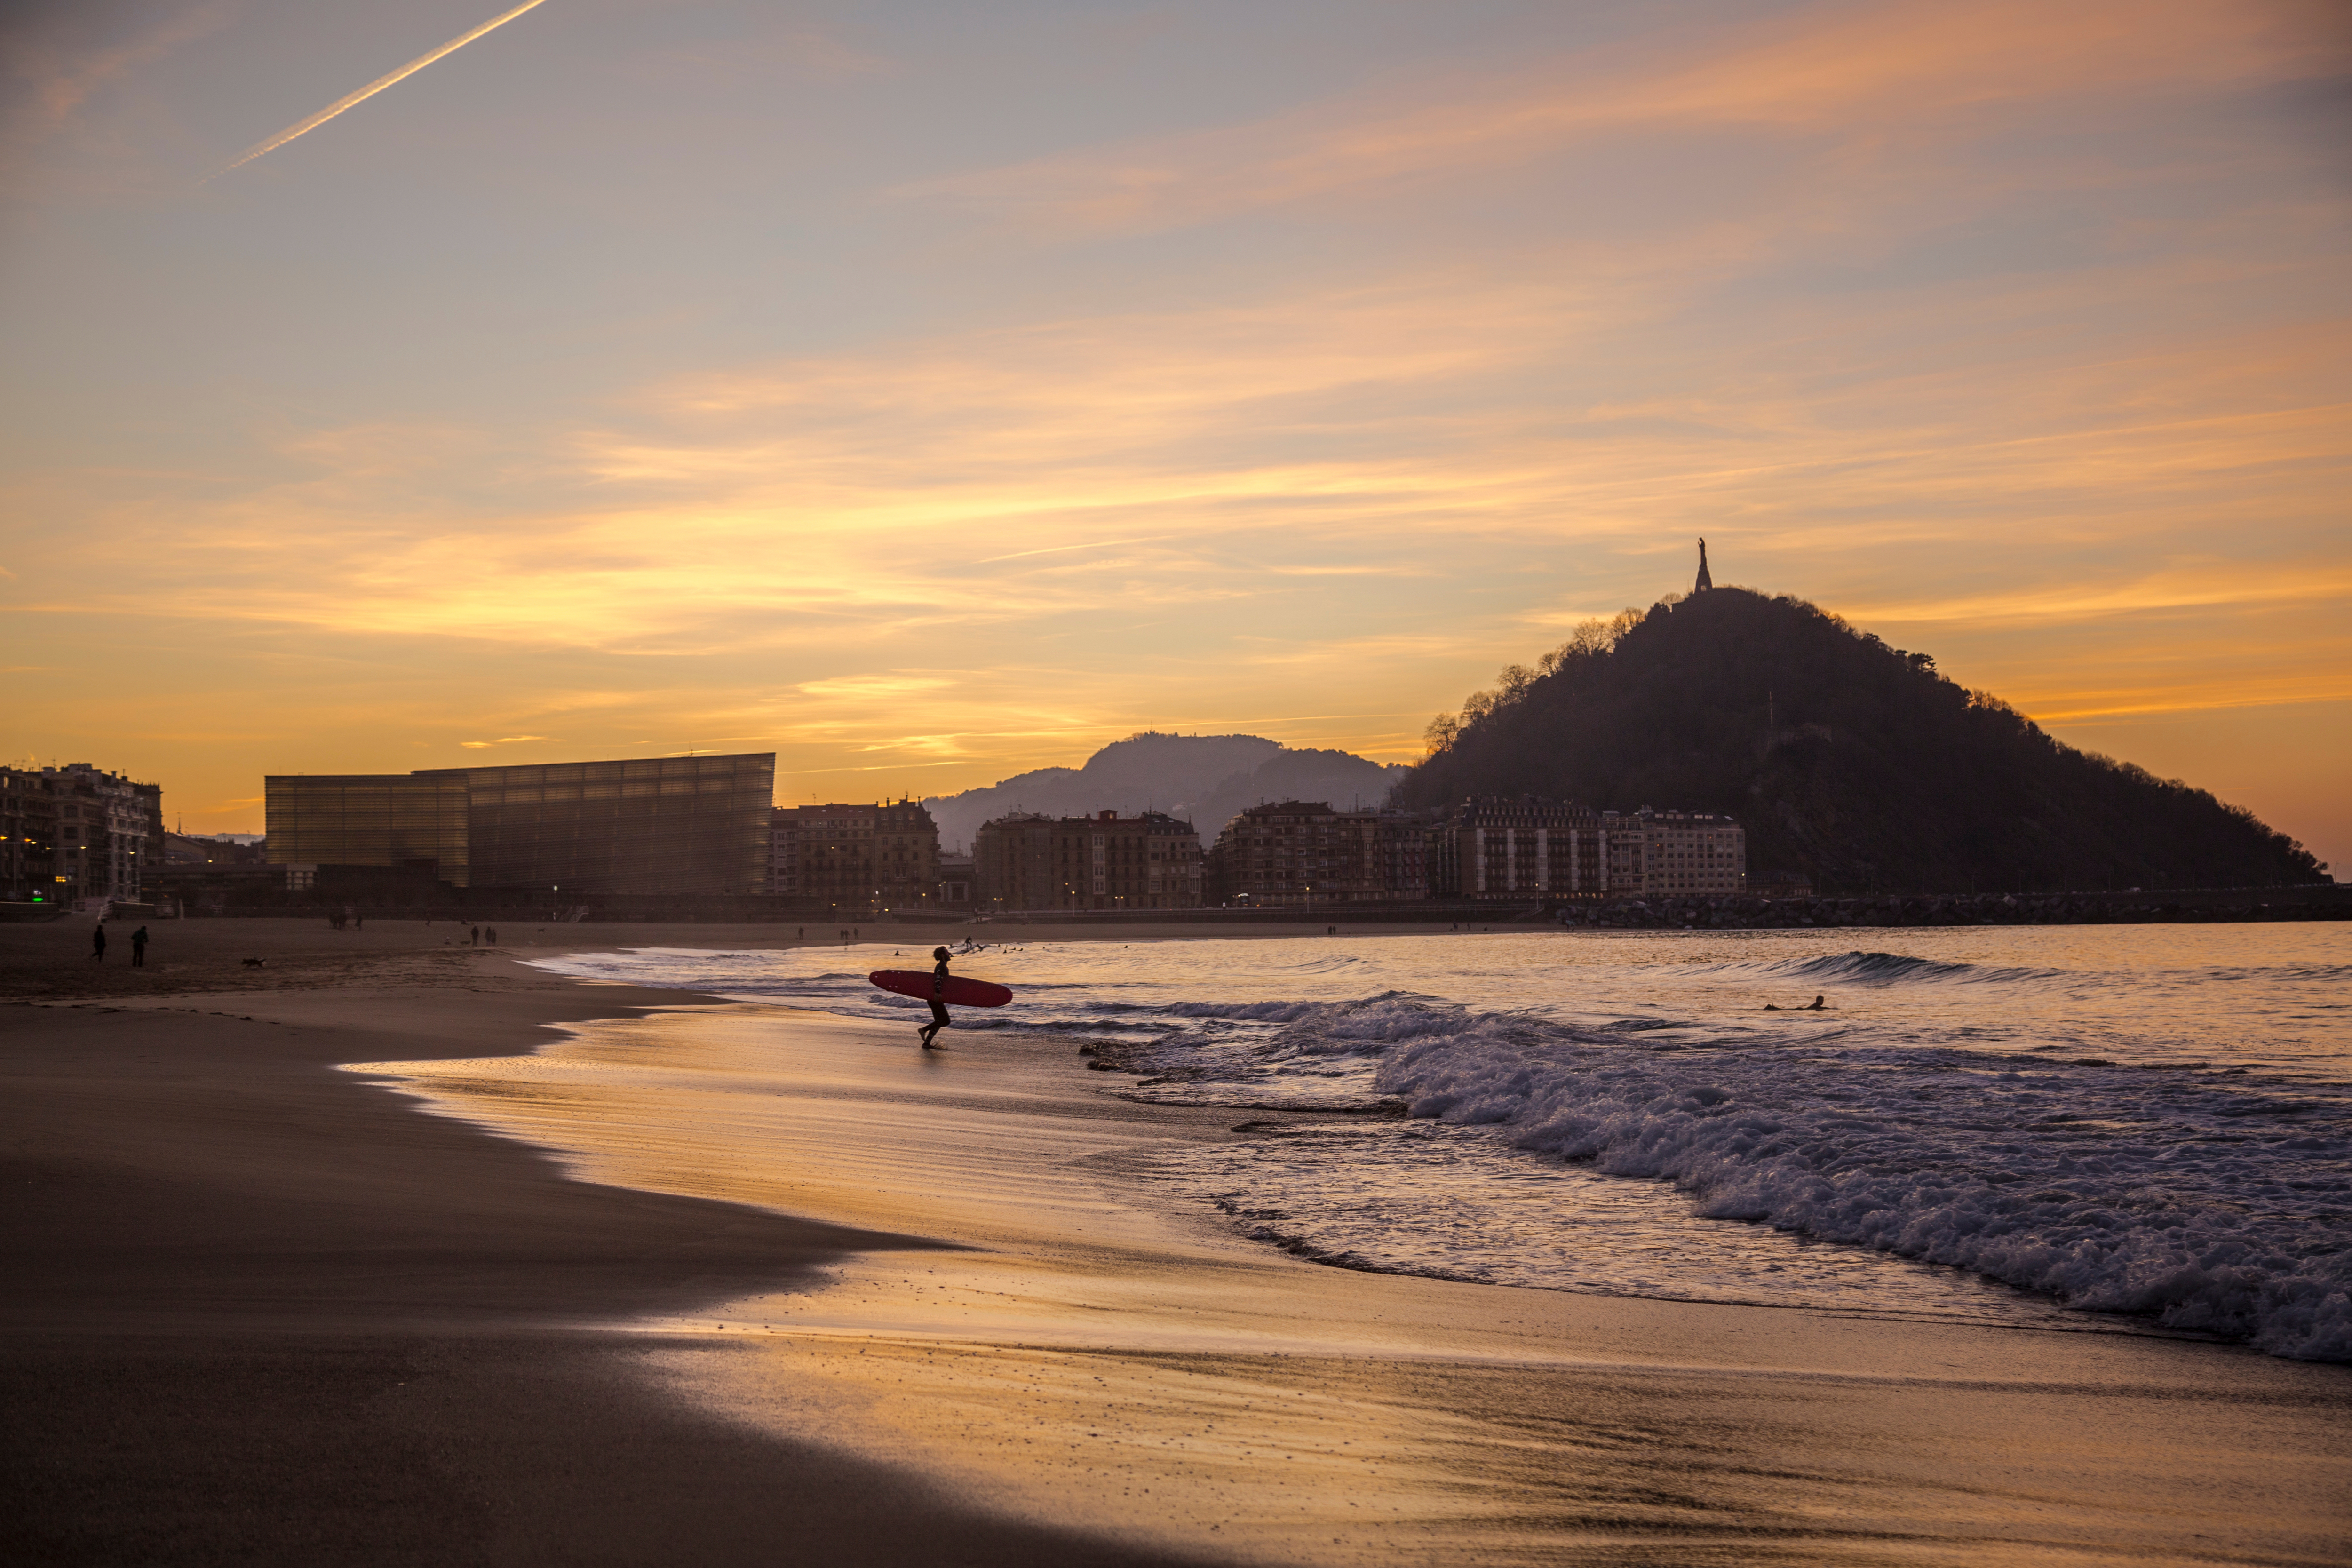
[(2117, 1126)]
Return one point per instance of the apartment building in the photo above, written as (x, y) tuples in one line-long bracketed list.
[(1678, 854), (1300, 852), (78, 832), (1516, 846), (1149, 861), (1496, 846), (905, 858), (855, 859), (1013, 863)]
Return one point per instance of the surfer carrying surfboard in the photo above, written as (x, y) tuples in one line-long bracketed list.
[(938, 994)]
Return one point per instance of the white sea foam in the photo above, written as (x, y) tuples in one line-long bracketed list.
[(2208, 1205)]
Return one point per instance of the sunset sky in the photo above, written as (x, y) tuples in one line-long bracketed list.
[(931, 392)]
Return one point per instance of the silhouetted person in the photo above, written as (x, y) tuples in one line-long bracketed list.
[(139, 948), (473, 936), (1818, 1007), (489, 936), (939, 998), (98, 942)]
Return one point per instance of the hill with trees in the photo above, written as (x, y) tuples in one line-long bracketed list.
[(1203, 779), (1847, 761)]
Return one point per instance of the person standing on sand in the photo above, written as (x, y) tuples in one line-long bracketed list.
[(98, 942), (473, 936), (489, 936), (939, 999), (139, 948)]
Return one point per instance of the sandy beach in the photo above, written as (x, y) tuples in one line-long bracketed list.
[(909, 1309)]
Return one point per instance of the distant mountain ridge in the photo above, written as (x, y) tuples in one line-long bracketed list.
[(1847, 761), (1204, 779)]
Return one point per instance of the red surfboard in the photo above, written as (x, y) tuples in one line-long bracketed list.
[(959, 993)]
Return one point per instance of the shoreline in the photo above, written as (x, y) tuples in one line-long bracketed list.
[(1090, 1352), (246, 1310), (259, 1309)]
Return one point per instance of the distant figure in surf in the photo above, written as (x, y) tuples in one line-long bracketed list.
[(939, 1004), (1818, 1007)]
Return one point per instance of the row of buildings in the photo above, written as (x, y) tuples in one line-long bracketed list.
[(1304, 853), (702, 826), (1294, 854), (75, 833)]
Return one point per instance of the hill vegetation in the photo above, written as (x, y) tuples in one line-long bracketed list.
[(1847, 761), (1203, 779)]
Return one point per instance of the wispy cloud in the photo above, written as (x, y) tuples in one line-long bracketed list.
[(1851, 70), (55, 81), (502, 741)]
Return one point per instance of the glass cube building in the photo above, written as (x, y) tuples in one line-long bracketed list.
[(654, 824)]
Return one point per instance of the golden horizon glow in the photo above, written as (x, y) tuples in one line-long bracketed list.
[(925, 430)]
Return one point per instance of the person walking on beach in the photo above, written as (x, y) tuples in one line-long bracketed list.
[(98, 942), (489, 936), (939, 999), (139, 948)]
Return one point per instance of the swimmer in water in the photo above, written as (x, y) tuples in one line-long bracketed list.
[(939, 999), (1818, 1007)]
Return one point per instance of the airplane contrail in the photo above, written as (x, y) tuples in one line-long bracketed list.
[(370, 91)]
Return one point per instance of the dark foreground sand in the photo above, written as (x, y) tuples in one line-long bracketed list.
[(261, 1311)]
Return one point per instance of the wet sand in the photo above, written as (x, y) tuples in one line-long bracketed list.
[(259, 1312), (891, 1309), (1092, 1354)]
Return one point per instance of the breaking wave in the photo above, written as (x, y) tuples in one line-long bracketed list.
[(2215, 1203)]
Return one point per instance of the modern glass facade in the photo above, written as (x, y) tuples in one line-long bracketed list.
[(413, 820), (654, 824)]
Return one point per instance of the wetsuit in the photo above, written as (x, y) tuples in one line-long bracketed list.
[(939, 1006)]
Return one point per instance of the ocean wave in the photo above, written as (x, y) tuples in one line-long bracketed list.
[(2162, 1193), (1859, 968), (2209, 1203)]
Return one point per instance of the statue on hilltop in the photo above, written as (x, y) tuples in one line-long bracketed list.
[(1704, 582)]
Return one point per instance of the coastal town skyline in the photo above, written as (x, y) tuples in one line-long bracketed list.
[(1002, 389)]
